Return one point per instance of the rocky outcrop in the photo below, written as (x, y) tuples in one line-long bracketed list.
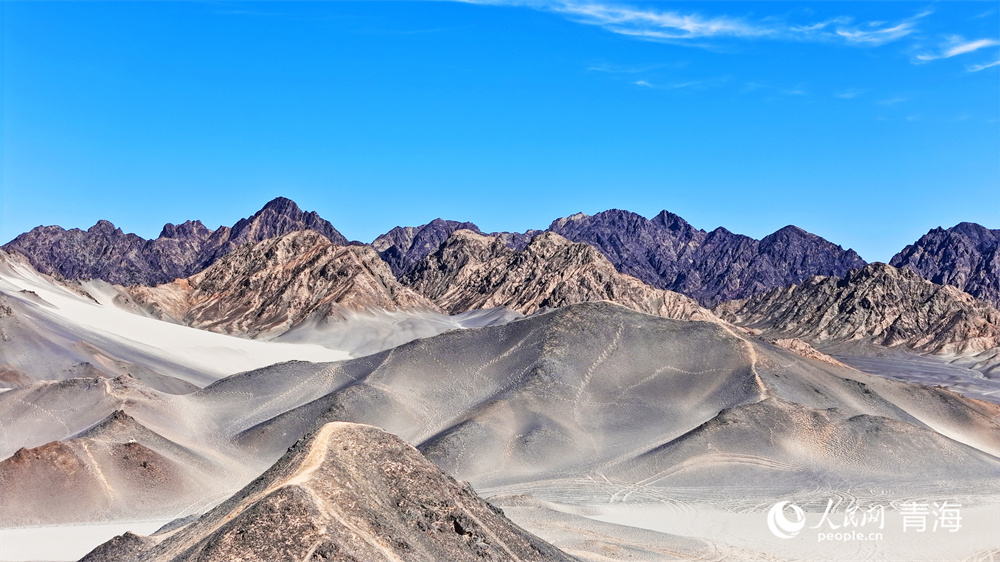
[(105, 252), (472, 271), (348, 492), (805, 350), (668, 253), (965, 256), (877, 303), (270, 286), (404, 246), (123, 547), (116, 469)]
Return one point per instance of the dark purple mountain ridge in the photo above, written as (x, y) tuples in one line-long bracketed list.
[(105, 252), (665, 252), (965, 256)]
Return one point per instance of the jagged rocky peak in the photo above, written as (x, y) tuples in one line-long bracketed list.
[(796, 247), (614, 218), (673, 222), (106, 228), (878, 303), (346, 492), (402, 247), (564, 221), (668, 253), (268, 287), (280, 216), (186, 230), (102, 251), (647, 250), (105, 252), (471, 270), (966, 256)]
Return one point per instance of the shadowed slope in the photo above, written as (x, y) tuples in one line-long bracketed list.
[(878, 303), (268, 287), (584, 387), (711, 267), (549, 405), (472, 271), (966, 256)]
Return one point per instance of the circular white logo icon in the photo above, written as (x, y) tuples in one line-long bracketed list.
[(780, 525)]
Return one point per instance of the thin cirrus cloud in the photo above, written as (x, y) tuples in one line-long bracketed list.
[(850, 94), (955, 46), (698, 30), (693, 84), (978, 67)]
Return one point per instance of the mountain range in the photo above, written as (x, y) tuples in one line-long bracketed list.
[(105, 252), (665, 252), (877, 303), (471, 271)]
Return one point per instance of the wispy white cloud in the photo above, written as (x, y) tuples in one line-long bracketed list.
[(695, 29), (978, 67), (850, 94), (871, 34), (653, 24), (955, 46), (691, 84), (890, 102)]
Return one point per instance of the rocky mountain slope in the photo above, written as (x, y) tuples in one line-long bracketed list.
[(268, 287), (58, 329), (470, 271), (346, 492), (665, 252), (966, 255), (105, 252), (404, 246), (877, 303), (711, 267)]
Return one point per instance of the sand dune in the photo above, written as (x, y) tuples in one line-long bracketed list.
[(585, 405), (535, 398), (50, 317)]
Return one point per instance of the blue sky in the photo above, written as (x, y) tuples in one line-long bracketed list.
[(866, 123)]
